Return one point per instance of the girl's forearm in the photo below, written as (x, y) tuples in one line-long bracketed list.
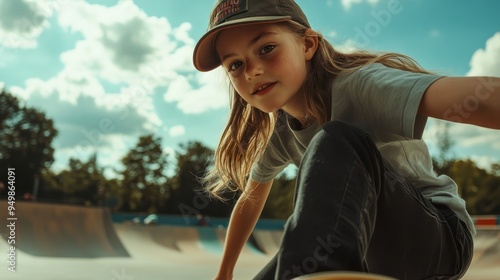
[(242, 222), (472, 100)]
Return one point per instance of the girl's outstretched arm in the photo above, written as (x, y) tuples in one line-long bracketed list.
[(245, 214), (472, 100)]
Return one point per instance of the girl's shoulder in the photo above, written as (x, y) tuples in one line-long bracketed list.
[(348, 76), (362, 71), (377, 73)]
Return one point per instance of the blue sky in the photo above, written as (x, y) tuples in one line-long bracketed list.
[(109, 71)]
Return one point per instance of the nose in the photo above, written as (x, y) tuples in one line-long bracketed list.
[(253, 69)]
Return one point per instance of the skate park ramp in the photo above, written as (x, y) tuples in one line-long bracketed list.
[(75, 243), (167, 241), (486, 261), (63, 231)]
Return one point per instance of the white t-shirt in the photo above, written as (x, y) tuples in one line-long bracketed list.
[(383, 102)]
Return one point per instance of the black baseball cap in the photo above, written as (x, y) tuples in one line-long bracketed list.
[(229, 13)]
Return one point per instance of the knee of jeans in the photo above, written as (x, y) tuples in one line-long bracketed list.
[(340, 130)]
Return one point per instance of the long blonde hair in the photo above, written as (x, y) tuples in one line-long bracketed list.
[(248, 130)]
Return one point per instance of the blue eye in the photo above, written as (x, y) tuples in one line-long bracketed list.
[(267, 49)]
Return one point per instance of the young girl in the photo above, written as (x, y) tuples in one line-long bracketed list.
[(367, 198)]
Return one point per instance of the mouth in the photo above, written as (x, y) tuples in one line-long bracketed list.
[(263, 89)]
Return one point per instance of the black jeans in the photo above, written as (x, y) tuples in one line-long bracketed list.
[(352, 212)]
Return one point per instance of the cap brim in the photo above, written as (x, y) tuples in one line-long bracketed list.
[(204, 56)]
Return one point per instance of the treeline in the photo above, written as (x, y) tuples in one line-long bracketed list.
[(143, 185), (479, 188)]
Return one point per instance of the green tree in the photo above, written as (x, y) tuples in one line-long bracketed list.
[(187, 195), (83, 182), (144, 176), (26, 136), (468, 177), (279, 204), (50, 189), (445, 146), (495, 169), (478, 187)]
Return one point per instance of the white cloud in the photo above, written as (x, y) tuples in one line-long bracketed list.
[(124, 45), (347, 46), (347, 4), (120, 42), (485, 143), (170, 152), (177, 130), (85, 114), (434, 33), (484, 162), (181, 33), (123, 48), (464, 136), (62, 156), (22, 22), (477, 136), (331, 34), (68, 86), (117, 146), (109, 153), (467, 137), (120, 45), (183, 59), (486, 62), (211, 92)]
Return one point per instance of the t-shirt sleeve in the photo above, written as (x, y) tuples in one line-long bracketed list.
[(388, 99), (270, 165)]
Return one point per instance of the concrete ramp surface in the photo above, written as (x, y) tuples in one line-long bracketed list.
[(81, 243), (487, 249), (161, 240), (268, 240), (63, 231)]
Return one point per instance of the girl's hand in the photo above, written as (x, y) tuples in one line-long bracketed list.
[(224, 274), (225, 277)]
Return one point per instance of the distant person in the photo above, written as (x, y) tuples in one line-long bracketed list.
[(202, 220), (367, 197), (151, 219), (27, 196)]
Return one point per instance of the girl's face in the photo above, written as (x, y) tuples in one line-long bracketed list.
[(266, 64)]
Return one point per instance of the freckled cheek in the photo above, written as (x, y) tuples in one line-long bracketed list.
[(295, 69), (238, 85), (240, 89)]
